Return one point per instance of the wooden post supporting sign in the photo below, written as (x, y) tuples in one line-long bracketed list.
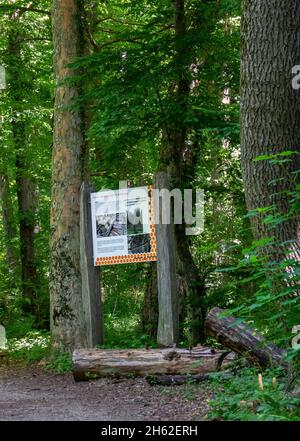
[(91, 291), (168, 317)]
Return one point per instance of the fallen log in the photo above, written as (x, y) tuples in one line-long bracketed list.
[(97, 363), (243, 340)]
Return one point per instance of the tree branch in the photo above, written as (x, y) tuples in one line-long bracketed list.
[(116, 20), (117, 40), (88, 32), (103, 173), (109, 31), (23, 9), (35, 39)]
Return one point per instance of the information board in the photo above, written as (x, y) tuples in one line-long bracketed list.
[(123, 226)]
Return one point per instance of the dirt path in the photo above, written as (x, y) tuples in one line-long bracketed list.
[(33, 394)]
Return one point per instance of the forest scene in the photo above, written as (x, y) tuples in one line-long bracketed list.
[(183, 95)]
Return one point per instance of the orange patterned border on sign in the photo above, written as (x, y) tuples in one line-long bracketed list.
[(132, 258)]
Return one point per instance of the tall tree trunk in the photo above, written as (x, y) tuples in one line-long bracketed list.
[(270, 111), (9, 226), (150, 304), (67, 313), (180, 165), (177, 160), (26, 203), (24, 183)]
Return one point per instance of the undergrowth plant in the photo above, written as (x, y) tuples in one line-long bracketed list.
[(275, 311), (59, 362), (275, 308), (34, 346), (243, 399)]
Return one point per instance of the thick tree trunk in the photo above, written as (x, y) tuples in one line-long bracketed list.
[(67, 312), (270, 111), (242, 340), (90, 364)]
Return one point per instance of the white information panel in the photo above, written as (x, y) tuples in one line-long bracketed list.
[(122, 225)]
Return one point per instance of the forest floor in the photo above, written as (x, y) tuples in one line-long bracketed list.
[(30, 393)]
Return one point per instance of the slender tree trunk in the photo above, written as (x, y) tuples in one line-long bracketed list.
[(270, 112), (67, 313), (26, 203), (150, 304), (9, 226), (24, 183)]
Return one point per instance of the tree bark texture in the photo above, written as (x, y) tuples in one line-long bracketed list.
[(67, 312), (270, 111)]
